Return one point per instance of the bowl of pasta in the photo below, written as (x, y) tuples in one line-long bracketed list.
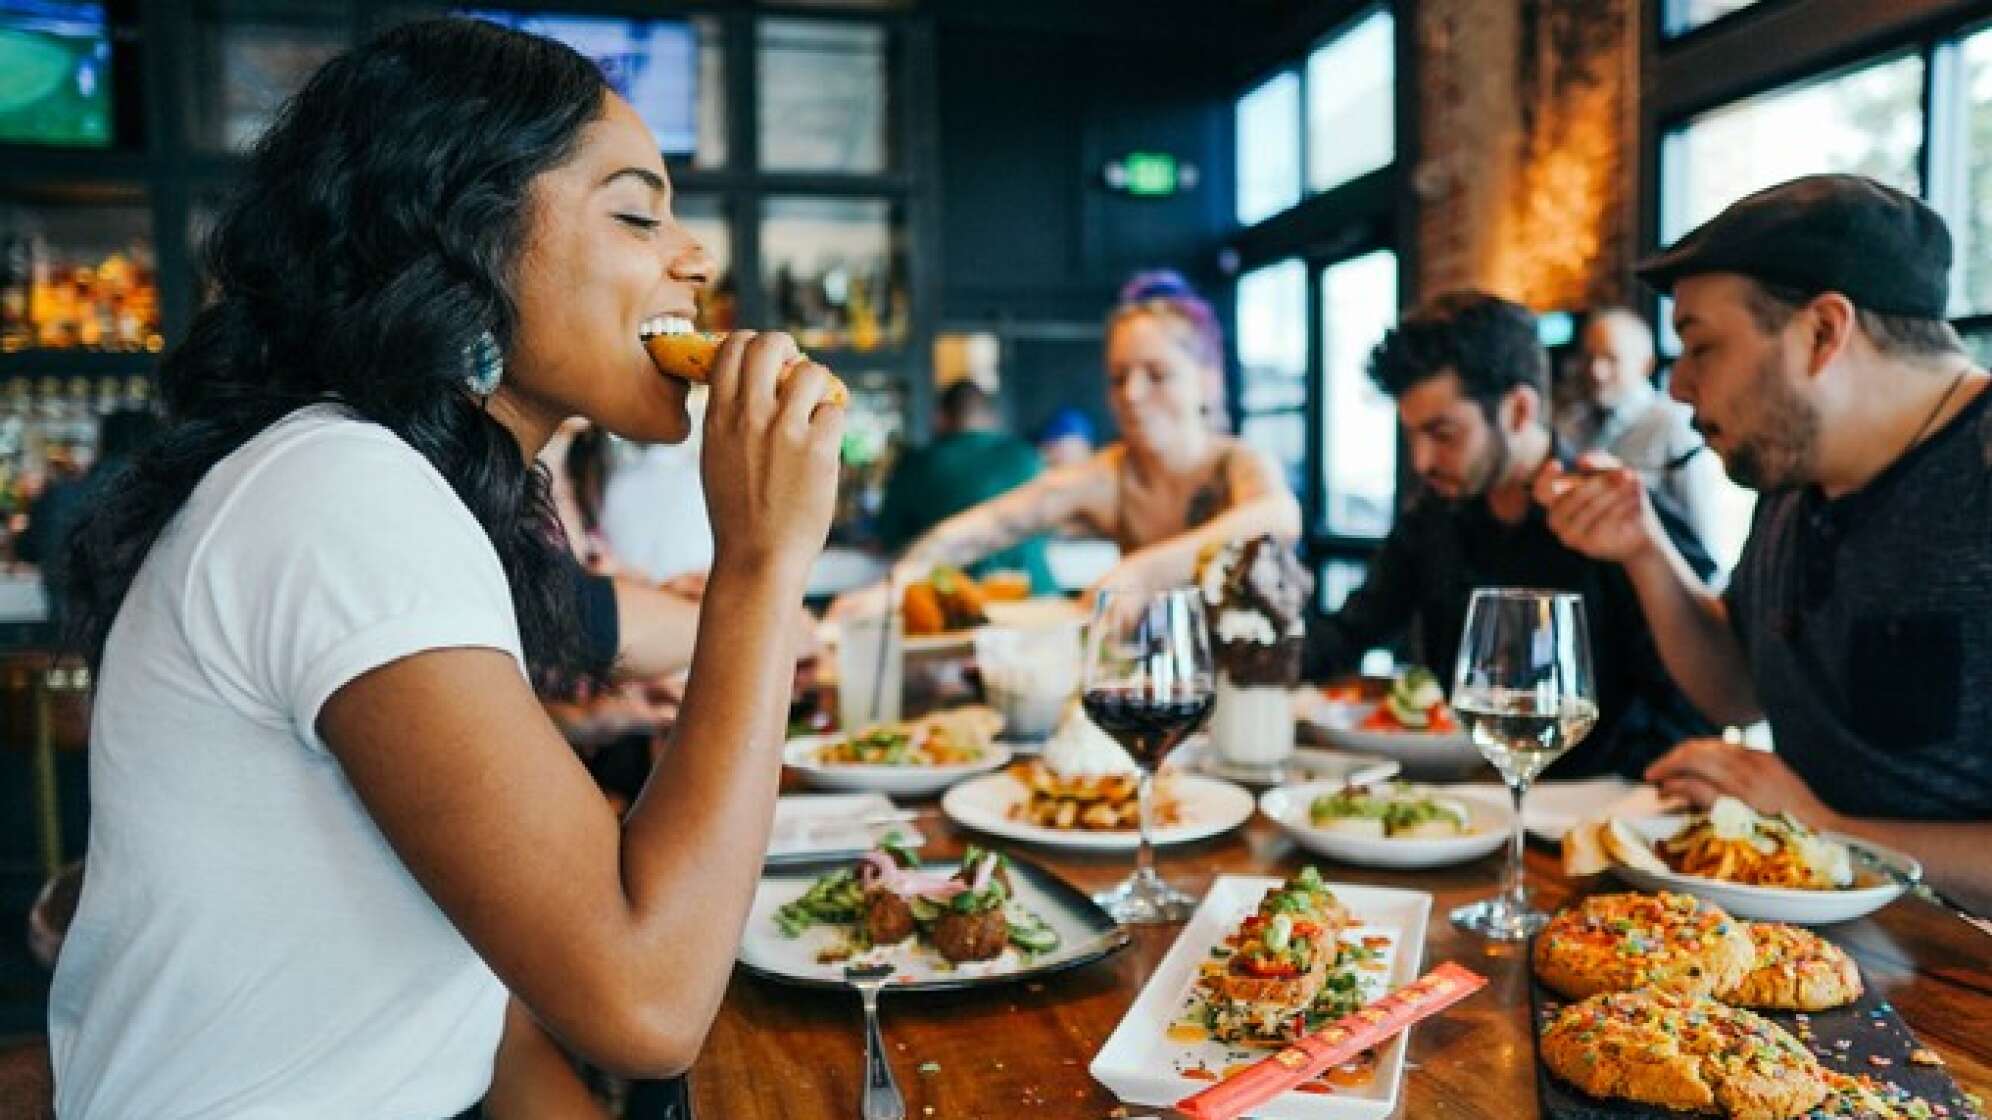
[(1760, 867)]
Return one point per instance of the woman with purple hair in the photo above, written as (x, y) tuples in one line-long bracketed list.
[(1170, 486)]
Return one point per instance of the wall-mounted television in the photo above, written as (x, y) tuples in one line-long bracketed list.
[(55, 73), (653, 63)]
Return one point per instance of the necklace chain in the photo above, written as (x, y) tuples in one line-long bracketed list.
[(1936, 412)]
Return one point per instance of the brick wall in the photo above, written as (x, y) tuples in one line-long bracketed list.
[(1527, 179)]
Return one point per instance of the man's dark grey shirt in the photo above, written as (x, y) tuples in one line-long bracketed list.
[(1867, 621)]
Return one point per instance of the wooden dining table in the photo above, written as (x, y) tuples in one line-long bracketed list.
[(1021, 1050)]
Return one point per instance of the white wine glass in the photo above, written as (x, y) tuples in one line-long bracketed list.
[(1524, 691)]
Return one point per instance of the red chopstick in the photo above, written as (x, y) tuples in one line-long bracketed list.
[(1333, 1044)]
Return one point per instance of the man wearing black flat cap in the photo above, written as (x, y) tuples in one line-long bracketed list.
[(1859, 621)]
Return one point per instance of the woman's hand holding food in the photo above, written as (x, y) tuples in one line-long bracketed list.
[(770, 457)]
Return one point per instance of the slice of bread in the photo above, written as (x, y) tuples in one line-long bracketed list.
[(1584, 852), (1627, 846)]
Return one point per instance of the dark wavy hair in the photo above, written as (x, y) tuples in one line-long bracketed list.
[(1488, 341), (374, 238)]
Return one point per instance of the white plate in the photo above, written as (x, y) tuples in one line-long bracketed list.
[(1140, 1063), (816, 826), (1209, 807), (1490, 819), (1085, 934), (1555, 805), (1424, 754), (911, 781), (1780, 904), (1306, 765)]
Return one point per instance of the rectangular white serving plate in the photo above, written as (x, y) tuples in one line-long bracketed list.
[(1140, 1062)]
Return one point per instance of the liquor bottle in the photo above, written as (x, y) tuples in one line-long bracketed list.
[(17, 277)]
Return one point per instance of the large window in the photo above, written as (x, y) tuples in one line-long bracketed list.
[(824, 97), (1359, 430), (1685, 15), (1272, 356), (1868, 120), (1339, 109), (1351, 98), (1269, 148), (1971, 184)]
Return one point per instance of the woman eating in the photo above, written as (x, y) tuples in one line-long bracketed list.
[(332, 826)]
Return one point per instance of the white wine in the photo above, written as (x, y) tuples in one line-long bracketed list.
[(1519, 733)]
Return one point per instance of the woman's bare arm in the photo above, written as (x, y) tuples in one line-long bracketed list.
[(619, 936), (1055, 500), (533, 1079), (1064, 498)]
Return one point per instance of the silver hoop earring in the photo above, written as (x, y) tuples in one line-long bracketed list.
[(487, 365)]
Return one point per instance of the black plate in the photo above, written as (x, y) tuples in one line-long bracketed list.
[(1103, 937)]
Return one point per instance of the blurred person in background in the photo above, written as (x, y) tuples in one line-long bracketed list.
[(1613, 406), (1470, 378), (1066, 439), (43, 541), (1171, 485), (970, 460), (653, 509)]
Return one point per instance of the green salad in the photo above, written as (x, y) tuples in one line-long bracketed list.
[(1392, 810)]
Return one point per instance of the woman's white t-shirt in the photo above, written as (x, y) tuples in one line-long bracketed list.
[(247, 944)]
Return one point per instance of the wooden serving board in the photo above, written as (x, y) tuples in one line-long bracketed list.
[(1870, 1029)]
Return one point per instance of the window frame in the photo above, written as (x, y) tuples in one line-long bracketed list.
[(1775, 45), (1373, 211)]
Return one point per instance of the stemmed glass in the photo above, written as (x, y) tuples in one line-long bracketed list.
[(1525, 692), (1149, 683)]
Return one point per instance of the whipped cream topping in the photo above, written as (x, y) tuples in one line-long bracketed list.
[(1079, 749), (1234, 625)]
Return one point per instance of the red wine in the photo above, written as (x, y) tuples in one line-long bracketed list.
[(1148, 726)]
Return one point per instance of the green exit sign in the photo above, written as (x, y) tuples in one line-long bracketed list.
[(1150, 175)]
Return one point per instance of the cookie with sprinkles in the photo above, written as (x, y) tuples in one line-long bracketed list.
[(1686, 1052), (1795, 970), (1864, 1098), (1617, 942)]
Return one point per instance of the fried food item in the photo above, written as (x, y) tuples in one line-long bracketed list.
[(973, 925), (1281, 957), (977, 936), (1795, 970), (1617, 942), (921, 609), (1095, 802), (946, 601), (887, 918), (1683, 1052), (690, 356)]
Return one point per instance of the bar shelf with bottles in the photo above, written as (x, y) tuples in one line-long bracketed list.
[(50, 429), (78, 275)]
